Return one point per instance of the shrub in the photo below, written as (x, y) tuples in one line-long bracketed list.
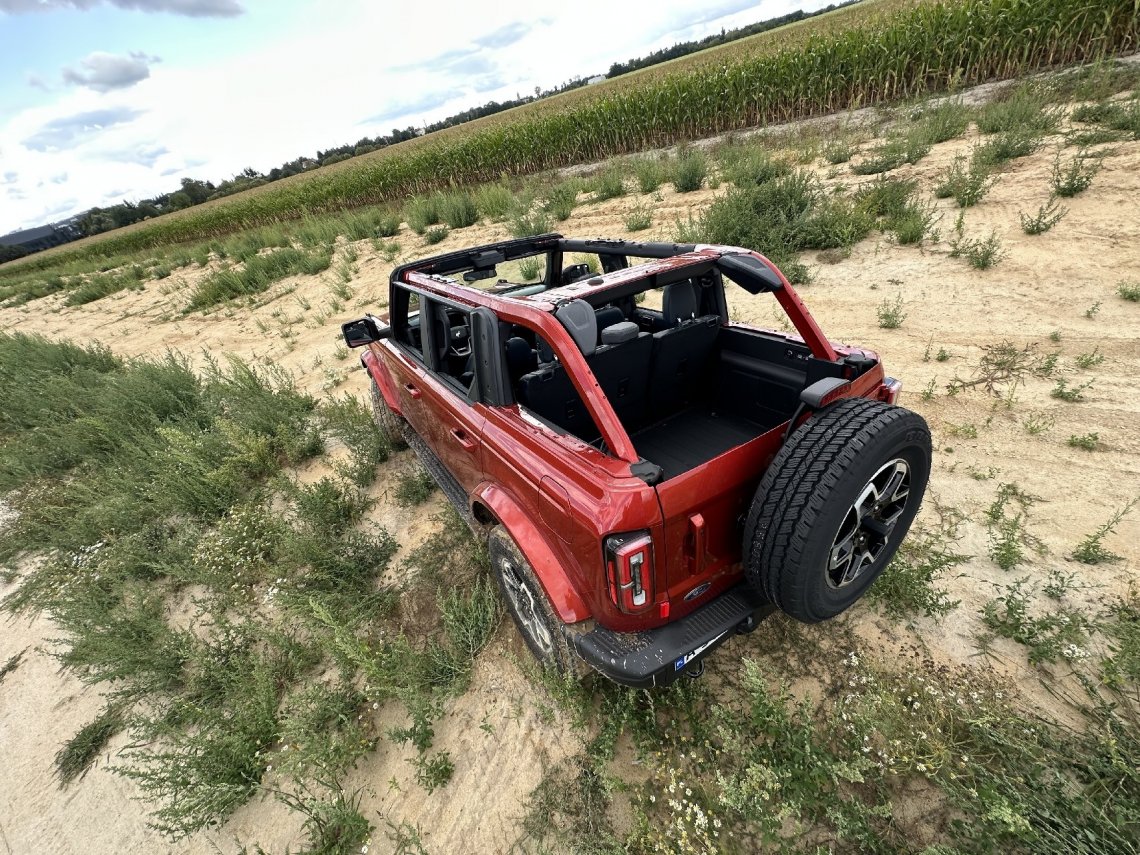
[(1074, 178), (421, 212), (1048, 215), (981, 254), (639, 219), (494, 201), (436, 234), (650, 173), (891, 314), (968, 185), (1023, 108), (529, 223), (561, 199), (689, 171), (608, 184), (458, 210), (258, 274)]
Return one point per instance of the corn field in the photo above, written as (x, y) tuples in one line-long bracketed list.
[(914, 50)]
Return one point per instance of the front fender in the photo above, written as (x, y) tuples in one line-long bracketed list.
[(568, 605), (383, 379)]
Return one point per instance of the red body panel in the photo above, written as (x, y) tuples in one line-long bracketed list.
[(560, 497)]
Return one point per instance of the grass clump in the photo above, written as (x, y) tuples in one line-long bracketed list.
[(1129, 291), (1075, 177), (257, 274), (436, 234), (650, 172), (493, 201), (414, 488), (783, 217), (76, 755), (1091, 550), (422, 212), (351, 422), (608, 184), (967, 181), (529, 224), (639, 219), (690, 170), (1047, 216), (458, 210), (561, 199), (750, 165), (1023, 108)]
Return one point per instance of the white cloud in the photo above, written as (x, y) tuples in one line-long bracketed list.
[(190, 8), (358, 73), (104, 72)]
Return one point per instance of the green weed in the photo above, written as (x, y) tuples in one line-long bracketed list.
[(689, 171), (1047, 216)]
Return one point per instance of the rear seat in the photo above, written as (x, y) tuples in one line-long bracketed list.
[(620, 365), (681, 351)]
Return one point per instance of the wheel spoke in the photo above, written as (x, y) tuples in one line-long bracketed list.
[(868, 524)]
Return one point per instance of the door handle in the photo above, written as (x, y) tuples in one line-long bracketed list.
[(464, 440), (412, 390)]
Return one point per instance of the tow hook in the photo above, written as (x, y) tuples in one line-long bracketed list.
[(695, 670), (746, 626)]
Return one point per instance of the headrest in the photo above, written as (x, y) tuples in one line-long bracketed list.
[(680, 302), (518, 351), (619, 332), (608, 316), (579, 319), (545, 353)]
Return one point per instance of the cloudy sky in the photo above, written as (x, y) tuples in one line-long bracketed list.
[(105, 100)]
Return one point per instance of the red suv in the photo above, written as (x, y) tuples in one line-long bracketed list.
[(651, 476)]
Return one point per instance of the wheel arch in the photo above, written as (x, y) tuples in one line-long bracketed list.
[(491, 505), (383, 379)]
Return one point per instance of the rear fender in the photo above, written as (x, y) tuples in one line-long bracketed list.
[(568, 605), (379, 373)]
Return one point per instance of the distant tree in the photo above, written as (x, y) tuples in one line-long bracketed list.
[(181, 200), (198, 191), (11, 253)]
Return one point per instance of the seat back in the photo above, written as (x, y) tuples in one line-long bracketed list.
[(621, 367), (549, 393), (680, 360)]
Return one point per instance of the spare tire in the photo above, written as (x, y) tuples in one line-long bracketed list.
[(834, 505)]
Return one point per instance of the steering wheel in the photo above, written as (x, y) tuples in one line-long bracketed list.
[(459, 341)]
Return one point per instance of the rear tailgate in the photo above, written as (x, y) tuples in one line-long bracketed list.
[(704, 511)]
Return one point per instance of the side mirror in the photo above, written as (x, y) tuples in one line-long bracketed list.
[(364, 331)]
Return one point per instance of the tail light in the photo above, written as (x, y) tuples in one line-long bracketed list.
[(629, 570), (892, 388)]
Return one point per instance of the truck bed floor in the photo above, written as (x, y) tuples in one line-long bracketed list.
[(690, 438)]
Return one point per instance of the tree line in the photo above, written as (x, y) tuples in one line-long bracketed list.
[(685, 48)]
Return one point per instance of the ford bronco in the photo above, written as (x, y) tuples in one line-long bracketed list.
[(651, 476)]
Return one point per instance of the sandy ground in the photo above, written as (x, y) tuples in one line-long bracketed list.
[(496, 733)]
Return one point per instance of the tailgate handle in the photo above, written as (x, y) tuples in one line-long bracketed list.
[(697, 529), (413, 390)]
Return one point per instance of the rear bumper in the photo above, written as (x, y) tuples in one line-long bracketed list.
[(657, 657)]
